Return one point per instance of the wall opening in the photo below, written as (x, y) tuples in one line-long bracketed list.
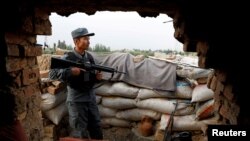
[(117, 30)]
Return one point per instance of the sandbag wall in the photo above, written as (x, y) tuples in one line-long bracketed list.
[(54, 110), (124, 105), (53, 106)]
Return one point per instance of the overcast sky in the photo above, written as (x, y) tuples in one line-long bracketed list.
[(117, 30)]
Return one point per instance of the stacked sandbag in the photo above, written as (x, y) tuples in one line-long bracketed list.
[(115, 97), (53, 104), (201, 97), (53, 108), (124, 105)]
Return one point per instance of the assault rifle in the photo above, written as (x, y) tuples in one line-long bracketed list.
[(57, 63)]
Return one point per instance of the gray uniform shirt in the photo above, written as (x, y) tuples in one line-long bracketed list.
[(80, 88)]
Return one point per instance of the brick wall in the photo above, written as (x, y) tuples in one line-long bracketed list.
[(225, 100), (21, 65), (216, 50)]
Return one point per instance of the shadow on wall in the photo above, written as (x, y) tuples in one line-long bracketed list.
[(10, 128)]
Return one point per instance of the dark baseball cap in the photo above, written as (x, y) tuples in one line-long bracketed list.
[(79, 32)]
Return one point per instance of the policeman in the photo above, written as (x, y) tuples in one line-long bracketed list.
[(84, 116)]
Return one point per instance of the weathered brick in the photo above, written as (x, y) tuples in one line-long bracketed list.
[(27, 25), (31, 90), (201, 61), (22, 116), (209, 80), (179, 26), (218, 101), (221, 76), (202, 48), (31, 39), (233, 120), (224, 110), (228, 92), (225, 121), (16, 78), (219, 87), (213, 83), (21, 101), (230, 111), (234, 108), (217, 105), (14, 64), (31, 61), (42, 27), (36, 101), (33, 120), (18, 38), (32, 51), (179, 32), (30, 76), (42, 14), (13, 50)]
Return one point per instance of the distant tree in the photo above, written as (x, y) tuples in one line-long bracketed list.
[(101, 48), (61, 45), (69, 47), (90, 49), (146, 53), (54, 47)]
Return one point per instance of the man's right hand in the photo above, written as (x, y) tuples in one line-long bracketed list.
[(76, 71)]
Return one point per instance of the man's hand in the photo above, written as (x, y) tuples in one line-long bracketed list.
[(76, 71), (99, 75)]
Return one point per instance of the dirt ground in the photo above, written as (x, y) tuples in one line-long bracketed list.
[(126, 134)]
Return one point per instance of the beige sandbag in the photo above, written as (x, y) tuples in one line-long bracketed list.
[(137, 114), (188, 122), (183, 90), (117, 89), (106, 112), (118, 102), (115, 122), (166, 106), (98, 99), (192, 72), (205, 110), (50, 101), (147, 93), (202, 93), (56, 114)]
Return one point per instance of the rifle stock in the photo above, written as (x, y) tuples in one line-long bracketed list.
[(57, 63)]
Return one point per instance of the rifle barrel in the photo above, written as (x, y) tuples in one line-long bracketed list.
[(61, 63)]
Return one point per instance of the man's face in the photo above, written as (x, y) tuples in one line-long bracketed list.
[(82, 42)]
